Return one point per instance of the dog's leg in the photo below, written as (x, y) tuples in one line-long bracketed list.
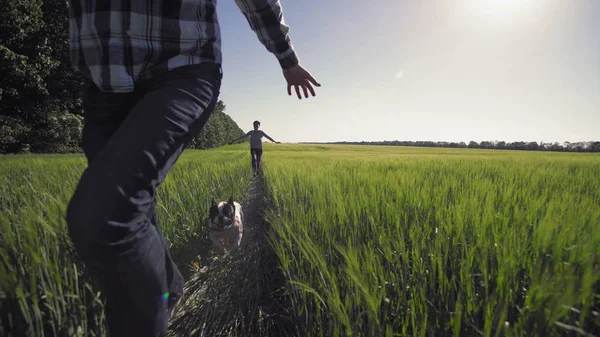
[(216, 240), (220, 247), (226, 243), (237, 241)]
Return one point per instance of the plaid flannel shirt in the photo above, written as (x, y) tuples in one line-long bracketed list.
[(118, 43)]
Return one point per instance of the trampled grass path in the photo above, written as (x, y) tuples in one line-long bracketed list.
[(239, 294)]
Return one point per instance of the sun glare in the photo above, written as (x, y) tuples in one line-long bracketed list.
[(500, 9)]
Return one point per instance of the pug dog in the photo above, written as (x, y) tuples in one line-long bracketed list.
[(225, 225)]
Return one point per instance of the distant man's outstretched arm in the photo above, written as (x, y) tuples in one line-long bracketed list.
[(266, 20), (240, 138), (269, 138)]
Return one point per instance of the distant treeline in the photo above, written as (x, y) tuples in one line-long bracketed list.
[(592, 146)]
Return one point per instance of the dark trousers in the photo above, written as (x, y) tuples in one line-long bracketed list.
[(256, 154), (131, 140)]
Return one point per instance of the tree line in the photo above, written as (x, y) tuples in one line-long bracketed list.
[(496, 145), (41, 96)]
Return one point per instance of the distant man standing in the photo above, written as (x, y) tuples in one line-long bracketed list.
[(154, 74), (256, 145)]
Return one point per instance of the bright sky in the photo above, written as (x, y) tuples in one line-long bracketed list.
[(439, 70)]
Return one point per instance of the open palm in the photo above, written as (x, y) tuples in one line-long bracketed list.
[(299, 77)]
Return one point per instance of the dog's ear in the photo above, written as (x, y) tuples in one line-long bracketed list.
[(213, 202), (231, 200)]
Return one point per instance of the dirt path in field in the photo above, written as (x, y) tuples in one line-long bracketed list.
[(237, 295)]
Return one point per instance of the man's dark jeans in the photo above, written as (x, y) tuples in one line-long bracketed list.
[(131, 140), (256, 154)]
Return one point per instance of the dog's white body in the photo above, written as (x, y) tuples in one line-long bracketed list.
[(226, 236)]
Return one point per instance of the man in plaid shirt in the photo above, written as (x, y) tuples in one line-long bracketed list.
[(154, 73)]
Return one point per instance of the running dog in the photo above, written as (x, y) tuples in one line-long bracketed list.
[(225, 225)]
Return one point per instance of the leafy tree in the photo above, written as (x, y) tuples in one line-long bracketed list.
[(533, 146), (486, 145), (40, 94), (20, 58), (219, 130), (36, 104)]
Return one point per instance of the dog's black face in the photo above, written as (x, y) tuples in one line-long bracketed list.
[(222, 213)]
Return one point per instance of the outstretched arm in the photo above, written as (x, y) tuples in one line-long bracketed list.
[(266, 20), (240, 138), (269, 138)]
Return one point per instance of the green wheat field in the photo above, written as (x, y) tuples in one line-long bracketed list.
[(372, 240)]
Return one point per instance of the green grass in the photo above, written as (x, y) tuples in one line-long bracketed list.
[(384, 241), (373, 240), (42, 284)]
